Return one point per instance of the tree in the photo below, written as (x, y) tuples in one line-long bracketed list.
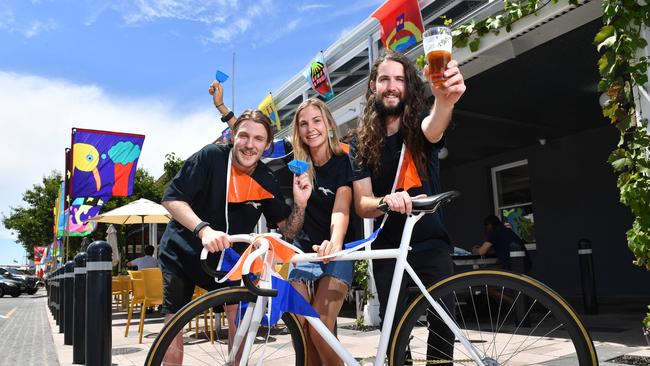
[(34, 223)]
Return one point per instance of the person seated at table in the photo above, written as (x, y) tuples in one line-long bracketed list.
[(501, 240), (146, 261)]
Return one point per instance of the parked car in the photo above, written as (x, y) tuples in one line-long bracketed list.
[(29, 281), (10, 287)]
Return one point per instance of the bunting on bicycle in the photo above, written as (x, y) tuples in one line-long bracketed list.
[(288, 300), (103, 163), (282, 253)]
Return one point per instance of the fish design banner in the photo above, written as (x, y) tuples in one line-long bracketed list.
[(103, 163)]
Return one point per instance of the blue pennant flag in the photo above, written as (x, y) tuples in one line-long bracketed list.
[(228, 260), (288, 300), (356, 243)]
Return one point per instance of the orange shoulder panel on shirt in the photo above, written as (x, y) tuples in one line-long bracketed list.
[(408, 174), (243, 188)]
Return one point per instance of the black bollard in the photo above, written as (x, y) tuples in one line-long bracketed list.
[(518, 264), (55, 283), (68, 291), (98, 304), (61, 300), (587, 276), (79, 324)]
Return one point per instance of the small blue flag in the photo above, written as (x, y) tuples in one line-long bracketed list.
[(298, 167), (288, 300), (221, 76)]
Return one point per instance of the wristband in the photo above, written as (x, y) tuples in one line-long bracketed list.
[(218, 105), (228, 116), (198, 228)]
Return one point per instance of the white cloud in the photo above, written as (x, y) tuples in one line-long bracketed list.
[(37, 115), (37, 27), (6, 19), (308, 7)]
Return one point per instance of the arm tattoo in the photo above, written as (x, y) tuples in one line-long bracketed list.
[(293, 224)]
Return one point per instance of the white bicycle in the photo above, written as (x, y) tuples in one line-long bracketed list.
[(496, 317)]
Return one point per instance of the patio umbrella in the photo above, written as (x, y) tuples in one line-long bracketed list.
[(111, 238), (140, 211)]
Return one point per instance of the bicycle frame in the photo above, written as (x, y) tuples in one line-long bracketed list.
[(252, 321)]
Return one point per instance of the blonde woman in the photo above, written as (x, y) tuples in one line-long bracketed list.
[(325, 227)]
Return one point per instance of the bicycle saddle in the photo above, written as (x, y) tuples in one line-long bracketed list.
[(431, 203)]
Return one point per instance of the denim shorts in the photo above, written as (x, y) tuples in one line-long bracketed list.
[(313, 271)]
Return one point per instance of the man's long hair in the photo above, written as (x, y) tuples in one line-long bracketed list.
[(372, 132)]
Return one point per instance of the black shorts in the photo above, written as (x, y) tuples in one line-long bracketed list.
[(178, 291)]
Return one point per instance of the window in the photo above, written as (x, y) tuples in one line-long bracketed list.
[(513, 199)]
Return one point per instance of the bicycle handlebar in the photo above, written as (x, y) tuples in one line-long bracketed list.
[(242, 238)]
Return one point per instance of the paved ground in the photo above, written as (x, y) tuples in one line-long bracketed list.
[(25, 333), (615, 330), (29, 335)]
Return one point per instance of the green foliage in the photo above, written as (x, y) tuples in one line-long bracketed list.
[(34, 224), (361, 277), (171, 166)]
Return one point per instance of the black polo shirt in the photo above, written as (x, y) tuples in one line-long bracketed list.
[(335, 173), (429, 232), (201, 183)]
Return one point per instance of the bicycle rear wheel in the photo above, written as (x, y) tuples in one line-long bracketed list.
[(282, 344), (509, 318)]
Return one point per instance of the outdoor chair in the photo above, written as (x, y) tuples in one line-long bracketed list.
[(137, 288), (207, 316), (153, 293), (120, 292)]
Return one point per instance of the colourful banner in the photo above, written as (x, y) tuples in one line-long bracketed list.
[(103, 163), (401, 24), (317, 75), (59, 209), (38, 254), (81, 209), (270, 110)]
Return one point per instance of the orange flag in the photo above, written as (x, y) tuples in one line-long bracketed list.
[(244, 188), (345, 147), (281, 253), (408, 176)]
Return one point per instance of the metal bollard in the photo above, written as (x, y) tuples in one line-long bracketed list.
[(55, 315), (68, 291), (79, 324), (98, 304), (518, 264), (62, 299), (587, 276)]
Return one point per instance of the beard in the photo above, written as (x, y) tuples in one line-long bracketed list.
[(386, 111)]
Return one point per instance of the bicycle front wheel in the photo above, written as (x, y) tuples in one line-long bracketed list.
[(203, 344), (510, 319)]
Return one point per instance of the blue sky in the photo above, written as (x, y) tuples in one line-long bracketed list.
[(142, 66)]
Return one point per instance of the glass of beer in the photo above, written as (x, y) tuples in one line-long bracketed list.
[(437, 48)]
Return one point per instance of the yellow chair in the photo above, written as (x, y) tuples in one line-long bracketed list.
[(207, 316), (153, 293), (120, 292), (138, 291)]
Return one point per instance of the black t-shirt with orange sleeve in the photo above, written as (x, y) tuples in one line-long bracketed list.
[(201, 183)]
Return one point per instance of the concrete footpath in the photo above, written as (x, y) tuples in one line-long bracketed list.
[(616, 331)]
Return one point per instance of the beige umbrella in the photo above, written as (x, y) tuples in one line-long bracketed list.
[(111, 238), (140, 211)]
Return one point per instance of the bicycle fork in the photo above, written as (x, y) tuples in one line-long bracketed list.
[(402, 265)]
